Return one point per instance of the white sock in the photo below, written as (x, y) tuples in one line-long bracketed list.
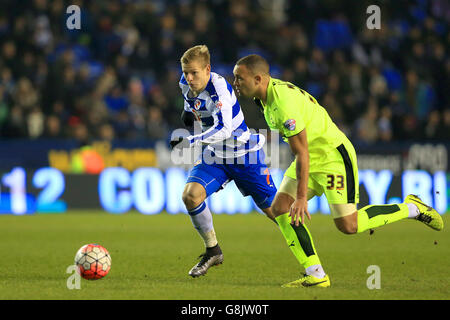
[(413, 211), (316, 271), (202, 220)]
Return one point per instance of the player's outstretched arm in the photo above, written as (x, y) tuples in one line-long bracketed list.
[(299, 146)]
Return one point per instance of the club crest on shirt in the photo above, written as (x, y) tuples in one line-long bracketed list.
[(197, 104), (290, 124), (218, 104)]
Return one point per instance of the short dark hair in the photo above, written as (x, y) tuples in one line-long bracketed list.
[(255, 63)]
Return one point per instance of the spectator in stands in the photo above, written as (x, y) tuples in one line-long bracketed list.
[(53, 129), (157, 129), (385, 124), (125, 47), (366, 125), (35, 122), (444, 130), (106, 132), (25, 95), (4, 108), (432, 126)]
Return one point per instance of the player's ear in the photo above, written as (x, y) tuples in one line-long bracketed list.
[(208, 67), (258, 79)]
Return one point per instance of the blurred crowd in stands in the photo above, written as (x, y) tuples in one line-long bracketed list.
[(117, 77)]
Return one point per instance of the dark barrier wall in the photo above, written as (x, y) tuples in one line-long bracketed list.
[(70, 157)]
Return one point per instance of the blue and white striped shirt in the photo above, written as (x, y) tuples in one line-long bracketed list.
[(223, 126)]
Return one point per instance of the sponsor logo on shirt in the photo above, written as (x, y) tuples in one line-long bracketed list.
[(290, 124)]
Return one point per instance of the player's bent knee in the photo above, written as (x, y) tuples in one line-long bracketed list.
[(347, 229), (278, 210), (268, 212), (347, 225), (281, 204), (192, 198)]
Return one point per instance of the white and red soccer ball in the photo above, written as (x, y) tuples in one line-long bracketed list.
[(93, 261)]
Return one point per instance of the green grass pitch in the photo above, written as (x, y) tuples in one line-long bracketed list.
[(151, 256)]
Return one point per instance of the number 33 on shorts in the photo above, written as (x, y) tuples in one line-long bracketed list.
[(335, 190), (335, 182)]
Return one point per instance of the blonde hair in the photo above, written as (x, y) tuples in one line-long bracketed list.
[(200, 52)]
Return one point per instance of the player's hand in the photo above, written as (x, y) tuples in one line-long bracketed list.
[(179, 143), (298, 210)]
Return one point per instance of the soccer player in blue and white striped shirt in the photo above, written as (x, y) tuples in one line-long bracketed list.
[(231, 152)]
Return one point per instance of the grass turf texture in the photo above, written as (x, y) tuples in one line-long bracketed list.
[(151, 256)]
